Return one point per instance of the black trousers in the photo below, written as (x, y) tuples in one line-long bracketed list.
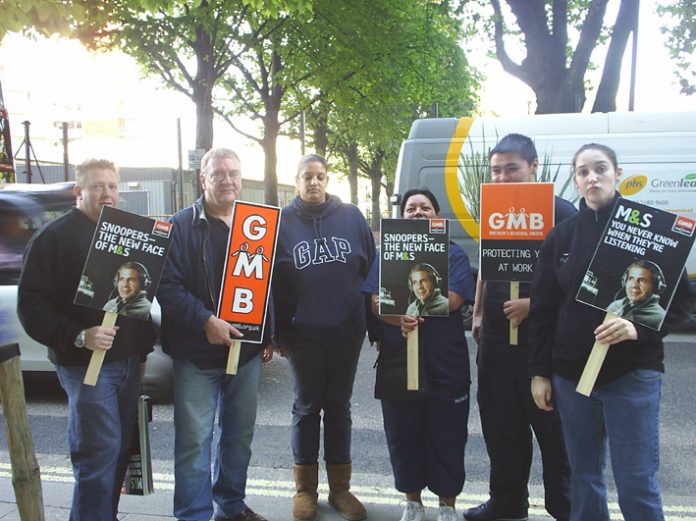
[(426, 440), (324, 378), (508, 416)]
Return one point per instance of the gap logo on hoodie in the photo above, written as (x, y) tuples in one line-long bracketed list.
[(335, 249)]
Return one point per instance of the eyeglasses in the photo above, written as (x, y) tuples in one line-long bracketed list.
[(219, 175)]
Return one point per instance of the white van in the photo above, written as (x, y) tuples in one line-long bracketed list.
[(448, 156)]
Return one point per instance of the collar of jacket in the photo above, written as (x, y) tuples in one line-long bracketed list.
[(198, 212), (602, 215)]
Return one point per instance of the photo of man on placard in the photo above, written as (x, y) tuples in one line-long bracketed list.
[(639, 297), (427, 299), (131, 282)]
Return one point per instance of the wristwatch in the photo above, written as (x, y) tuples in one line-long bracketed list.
[(80, 339)]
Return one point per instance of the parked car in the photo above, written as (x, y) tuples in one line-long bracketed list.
[(24, 208)]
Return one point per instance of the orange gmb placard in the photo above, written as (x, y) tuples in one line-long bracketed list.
[(248, 268), (516, 211)]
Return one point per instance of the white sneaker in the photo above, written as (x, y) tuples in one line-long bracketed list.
[(414, 512), (446, 513)]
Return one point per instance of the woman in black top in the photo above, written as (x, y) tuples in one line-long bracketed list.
[(622, 412)]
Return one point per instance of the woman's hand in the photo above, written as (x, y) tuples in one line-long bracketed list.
[(541, 392), (409, 323), (616, 330), (476, 323)]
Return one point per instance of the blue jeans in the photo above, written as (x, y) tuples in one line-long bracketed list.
[(625, 413), (100, 426), (198, 395)]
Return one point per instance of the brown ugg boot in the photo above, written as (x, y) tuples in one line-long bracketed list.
[(304, 504), (340, 496)]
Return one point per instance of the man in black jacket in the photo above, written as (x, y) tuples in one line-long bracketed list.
[(101, 417), (507, 410)]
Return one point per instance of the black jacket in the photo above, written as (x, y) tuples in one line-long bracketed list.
[(53, 263), (561, 329)]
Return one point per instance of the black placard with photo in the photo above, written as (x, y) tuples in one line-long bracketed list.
[(124, 264), (414, 267), (638, 262)]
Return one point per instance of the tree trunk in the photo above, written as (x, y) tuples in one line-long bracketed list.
[(559, 98), (202, 97), (558, 87), (353, 171), (203, 88), (389, 190), (321, 131), (611, 75), (270, 174), (271, 129), (376, 181)]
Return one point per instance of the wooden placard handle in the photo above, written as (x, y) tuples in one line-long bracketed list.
[(514, 295), (97, 358), (233, 357), (594, 363), (412, 360)]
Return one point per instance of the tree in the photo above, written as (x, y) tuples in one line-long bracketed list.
[(626, 23), (552, 67), (681, 40), (189, 45), (43, 17), (335, 58), (387, 83), (269, 64)]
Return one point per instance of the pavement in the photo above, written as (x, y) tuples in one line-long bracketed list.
[(269, 492)]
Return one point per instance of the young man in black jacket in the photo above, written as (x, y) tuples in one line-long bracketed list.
[(507, 410), (101, 418)]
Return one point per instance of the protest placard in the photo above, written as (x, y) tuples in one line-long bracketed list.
[(639, 242), (515, 219), (122, 270), (124, 264), (635, 270), (247, 275), (418, 246), (413, 275)]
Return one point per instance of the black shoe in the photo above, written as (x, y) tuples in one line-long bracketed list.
[(245, 515), (489, 511)]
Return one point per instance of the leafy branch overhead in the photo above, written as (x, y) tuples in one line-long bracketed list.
[(680, 29)]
